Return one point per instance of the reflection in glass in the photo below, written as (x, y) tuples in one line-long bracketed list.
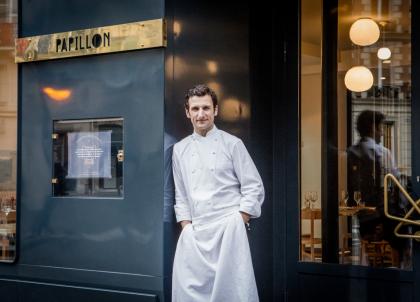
[(373, 123), (374, 130), (88, 158), (8, 130)]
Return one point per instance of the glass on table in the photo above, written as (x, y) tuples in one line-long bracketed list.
[(344, 198), (307, 197), (357, 195), (313, 197)]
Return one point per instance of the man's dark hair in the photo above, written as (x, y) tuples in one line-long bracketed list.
[(367, 121), (200, 90)]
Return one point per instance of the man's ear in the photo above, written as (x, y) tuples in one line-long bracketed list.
[(187, 112), (216, 110)]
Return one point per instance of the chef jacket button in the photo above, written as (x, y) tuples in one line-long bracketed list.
[(212, 169), (193, 171), (213, 153)]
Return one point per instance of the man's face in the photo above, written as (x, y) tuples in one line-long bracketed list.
[(201, 113), (379, 132)]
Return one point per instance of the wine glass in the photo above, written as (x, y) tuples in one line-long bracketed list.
[(344, 197), (307, 197), (313, 197), (357, 197)]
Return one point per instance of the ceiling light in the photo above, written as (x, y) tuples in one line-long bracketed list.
[(384, 53), (364, 32), (358, 79)]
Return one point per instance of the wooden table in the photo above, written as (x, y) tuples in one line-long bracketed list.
[(313, 214), (356, 244)]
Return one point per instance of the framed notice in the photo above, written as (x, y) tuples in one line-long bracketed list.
[(88, 157), (89, 154)]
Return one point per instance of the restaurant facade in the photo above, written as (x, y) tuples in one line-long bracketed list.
[(322, 92)]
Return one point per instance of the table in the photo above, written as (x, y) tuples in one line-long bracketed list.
[(313, 214), (356, 244)]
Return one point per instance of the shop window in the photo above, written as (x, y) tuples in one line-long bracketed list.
[(8, 130), (363, 92)]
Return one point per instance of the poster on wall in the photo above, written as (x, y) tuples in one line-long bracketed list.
[(89, 154)]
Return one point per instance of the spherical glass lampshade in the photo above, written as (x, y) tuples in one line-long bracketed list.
[(364, 32), (358, 79), (384, 53)]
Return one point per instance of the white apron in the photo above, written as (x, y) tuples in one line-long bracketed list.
[(213, 263)]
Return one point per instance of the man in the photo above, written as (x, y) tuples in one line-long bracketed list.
[(368, 160), (368, 163), (217, 190)]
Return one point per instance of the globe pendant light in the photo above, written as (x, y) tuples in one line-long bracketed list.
[(384, 53), (358, 79), (364, 32)]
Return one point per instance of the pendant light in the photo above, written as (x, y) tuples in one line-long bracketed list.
[(358, 79), (364, 32)]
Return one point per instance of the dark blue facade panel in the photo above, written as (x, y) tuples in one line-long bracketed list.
[(8, 291), (119, 235), (218, 44), (48, 16), (99, 242), (34, 292)]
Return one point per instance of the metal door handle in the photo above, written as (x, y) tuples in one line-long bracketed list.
[(403, 220)]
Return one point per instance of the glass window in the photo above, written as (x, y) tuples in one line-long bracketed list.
[(8, 130), (88, 158), (371, 116)]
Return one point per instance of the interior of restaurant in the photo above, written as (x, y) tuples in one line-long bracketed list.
[(373, 127), (8, 129)]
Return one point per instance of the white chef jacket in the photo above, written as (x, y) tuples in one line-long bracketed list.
[(215, 178), (215, 175)]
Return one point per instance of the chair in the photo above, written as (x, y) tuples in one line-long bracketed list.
[(4, 247), (308, 241), (380, 253)]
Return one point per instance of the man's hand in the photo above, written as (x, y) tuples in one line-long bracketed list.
[(184, 223), (245, 217)]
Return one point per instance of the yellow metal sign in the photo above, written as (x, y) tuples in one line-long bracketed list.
[(122, 37)]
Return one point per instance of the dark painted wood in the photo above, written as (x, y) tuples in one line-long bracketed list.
[(42, 292), (261, 239), (232, 35), (279, 103), (415, 123), (338, 288), (329, 147), (287, 142)]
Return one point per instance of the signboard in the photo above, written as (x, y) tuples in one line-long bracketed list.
[(89, 154), (116, 38)]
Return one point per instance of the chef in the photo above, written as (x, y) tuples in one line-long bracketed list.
[(217, 191)]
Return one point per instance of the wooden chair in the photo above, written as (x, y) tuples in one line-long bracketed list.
[(4, 245), (380, 254)]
